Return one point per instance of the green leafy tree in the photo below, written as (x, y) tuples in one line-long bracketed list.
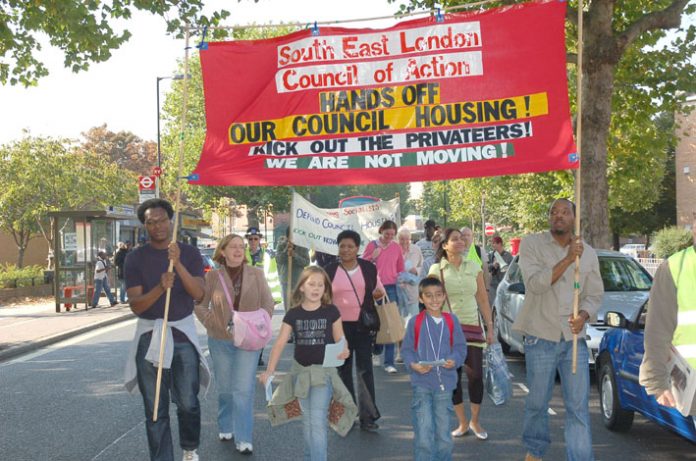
[(670, 240), (40, 175), (125, 149), (627, 80), (663, 212), (83, 30)]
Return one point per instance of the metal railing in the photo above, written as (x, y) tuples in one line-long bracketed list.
[(650, 264)]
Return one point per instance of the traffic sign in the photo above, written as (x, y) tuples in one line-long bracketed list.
[(490, 230), (157, 171), (147, 183)]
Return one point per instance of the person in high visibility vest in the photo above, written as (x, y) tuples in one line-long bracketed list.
[(671, 321)]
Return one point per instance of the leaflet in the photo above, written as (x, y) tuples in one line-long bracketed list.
[(332, 352), (682, 381), (433, 363)]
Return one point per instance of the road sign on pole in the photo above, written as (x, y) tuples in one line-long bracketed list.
[(490, 230), (147, 185)]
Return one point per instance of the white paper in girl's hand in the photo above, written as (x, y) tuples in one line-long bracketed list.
[(331, 354)]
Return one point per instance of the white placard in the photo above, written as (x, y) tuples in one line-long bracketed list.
[(317, 228)]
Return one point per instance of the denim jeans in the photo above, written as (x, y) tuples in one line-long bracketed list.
[(360, 344), (432, 412), (315, 422), (122, 290), (235, 380), (542, 359), (182, 380), (98, 286), (388, 349)]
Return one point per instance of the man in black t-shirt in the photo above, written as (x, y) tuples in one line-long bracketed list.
[(147, 281)]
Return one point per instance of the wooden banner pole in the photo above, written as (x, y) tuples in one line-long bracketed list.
[(177, 205), (578, 180)]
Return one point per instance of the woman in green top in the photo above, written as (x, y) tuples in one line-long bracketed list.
[(466, 296)]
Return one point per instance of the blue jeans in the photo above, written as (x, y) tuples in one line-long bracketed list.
[(235, 380), (98, 286), (182, 380), (315, 422), (389, 349), (432, 412), (122, 290), (543, 358)]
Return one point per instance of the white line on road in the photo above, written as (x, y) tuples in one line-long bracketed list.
[(118, 439), (68, 342), (526, 391)]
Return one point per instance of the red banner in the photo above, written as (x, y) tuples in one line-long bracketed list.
[(476, 94)]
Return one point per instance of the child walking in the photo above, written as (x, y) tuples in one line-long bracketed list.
[(432, 350), (315, 322)]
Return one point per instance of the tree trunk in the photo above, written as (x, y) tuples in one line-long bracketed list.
[(20, 257), (617, 242), (601, 57), (596, 118)]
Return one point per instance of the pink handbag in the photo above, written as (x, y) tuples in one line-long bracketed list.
[(251, 331)]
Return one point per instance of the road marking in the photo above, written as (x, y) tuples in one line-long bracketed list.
[(69, 342), (118, 439), (526, 391)]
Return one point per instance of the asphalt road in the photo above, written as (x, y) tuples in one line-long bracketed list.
[(67, 402)]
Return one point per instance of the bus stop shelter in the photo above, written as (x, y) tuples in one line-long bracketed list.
[(78, 236)]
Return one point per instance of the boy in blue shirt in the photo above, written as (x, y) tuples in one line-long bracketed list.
[(433, 348)]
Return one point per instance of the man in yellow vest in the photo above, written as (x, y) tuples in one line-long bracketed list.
[(671, 321)]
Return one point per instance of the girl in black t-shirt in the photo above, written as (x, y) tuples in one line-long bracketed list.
[(315, 322)]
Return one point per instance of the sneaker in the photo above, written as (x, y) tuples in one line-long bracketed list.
[(399, 360), (190, 455), (225, 436), (245, 448), (390, 369), (114, 303)]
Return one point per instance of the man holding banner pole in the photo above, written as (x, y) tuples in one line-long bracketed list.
[(547, 322), (185, 369)]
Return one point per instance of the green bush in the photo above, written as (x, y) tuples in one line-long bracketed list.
[(670, 240), (12, 277)]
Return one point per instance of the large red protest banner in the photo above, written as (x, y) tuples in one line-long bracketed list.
[(477, 94)]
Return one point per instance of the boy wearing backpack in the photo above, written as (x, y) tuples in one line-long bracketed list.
[(433, 348)]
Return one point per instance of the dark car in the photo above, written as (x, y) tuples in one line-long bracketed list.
[(626, 287), (620, 394)]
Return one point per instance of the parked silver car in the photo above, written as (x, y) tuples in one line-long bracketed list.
[(626, 288)]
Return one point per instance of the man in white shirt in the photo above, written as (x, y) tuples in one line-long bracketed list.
[(425, 244), (101, 280)]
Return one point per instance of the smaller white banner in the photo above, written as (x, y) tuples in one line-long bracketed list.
[(317, 228)]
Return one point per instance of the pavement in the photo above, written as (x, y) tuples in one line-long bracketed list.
[(33, 324)]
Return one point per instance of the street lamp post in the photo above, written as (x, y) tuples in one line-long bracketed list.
[(159, 149)]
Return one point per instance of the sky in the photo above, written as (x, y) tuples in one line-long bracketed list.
[(122, 91)]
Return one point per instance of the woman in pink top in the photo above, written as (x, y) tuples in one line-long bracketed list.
[(355, 284), (387, 256)]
